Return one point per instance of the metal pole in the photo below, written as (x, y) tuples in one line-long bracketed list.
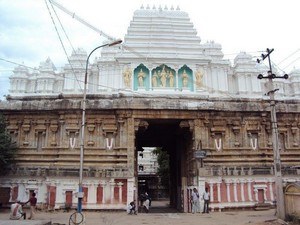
[(82, 136)]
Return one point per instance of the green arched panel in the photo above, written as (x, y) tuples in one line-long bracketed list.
[(163, 77), (185, 78), (141, 77)]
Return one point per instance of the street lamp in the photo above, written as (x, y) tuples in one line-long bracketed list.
[(80, 192), (280, 208)]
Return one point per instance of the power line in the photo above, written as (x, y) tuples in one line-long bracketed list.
[(289, 56), (18, 64), (292, 62), (62, 44)]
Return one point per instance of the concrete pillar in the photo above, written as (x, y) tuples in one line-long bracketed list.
[(271, 190), (211, 190), (242, 182), (250, 191), (120, 184), (219, 192), (228, 191), (235, 191), (112, 188)]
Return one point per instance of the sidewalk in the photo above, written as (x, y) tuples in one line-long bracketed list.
[(114, 218)]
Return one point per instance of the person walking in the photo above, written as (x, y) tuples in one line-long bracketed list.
[(32, 200), (195, 201), (206, 198)]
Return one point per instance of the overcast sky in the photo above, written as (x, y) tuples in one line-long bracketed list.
[(28, 36)]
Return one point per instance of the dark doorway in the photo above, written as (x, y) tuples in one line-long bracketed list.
[(4, 196), (174, 140), (260, 193)]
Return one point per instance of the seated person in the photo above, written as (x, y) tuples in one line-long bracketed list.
[(16, 211), (131, 208)]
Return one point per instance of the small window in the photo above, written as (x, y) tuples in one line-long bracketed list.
[(40, 141), (141, 168)]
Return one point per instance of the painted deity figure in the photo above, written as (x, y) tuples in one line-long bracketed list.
[(185, 79), (141, 76), (199, 78), (127, 77), (154, 79), (163, 77), (171, 78)]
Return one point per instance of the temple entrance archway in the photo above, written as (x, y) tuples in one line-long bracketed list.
[(168, 135)]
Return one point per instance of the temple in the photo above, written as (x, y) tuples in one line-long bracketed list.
[(163, 88)]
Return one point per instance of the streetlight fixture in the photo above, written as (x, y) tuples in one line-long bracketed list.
[(80, 191), (277, 162)]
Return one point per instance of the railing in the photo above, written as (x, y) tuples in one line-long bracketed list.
[(69, 172), (246, 171)]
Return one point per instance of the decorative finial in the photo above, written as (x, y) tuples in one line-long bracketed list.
[(172, 8), (178, 8), (142, 6), (153, 7), (166, 8), (148, 7)]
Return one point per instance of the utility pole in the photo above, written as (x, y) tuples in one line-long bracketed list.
[(280, 207)]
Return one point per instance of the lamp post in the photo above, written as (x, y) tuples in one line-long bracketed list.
[(80, 192), (277, 162)]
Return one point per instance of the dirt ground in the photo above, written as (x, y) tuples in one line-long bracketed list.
[(158, 215), (159, 218)]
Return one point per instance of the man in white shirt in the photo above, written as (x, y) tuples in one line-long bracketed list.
[(16, 211), (195, 201), (206, 198)]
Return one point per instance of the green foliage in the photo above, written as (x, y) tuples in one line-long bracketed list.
[(7, 147), (164, 166)]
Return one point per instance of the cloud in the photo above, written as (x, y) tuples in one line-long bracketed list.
[(27, 33)]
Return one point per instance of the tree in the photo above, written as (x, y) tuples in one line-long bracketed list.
[(7, 147), (164, 166)]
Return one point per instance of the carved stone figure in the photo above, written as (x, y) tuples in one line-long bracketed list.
[(127, 77), (199, 78), (171, 79), (154, 79), (141, 76), (163, 77), (185, 79)]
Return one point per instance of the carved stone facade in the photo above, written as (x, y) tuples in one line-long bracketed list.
[(238, 146)]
